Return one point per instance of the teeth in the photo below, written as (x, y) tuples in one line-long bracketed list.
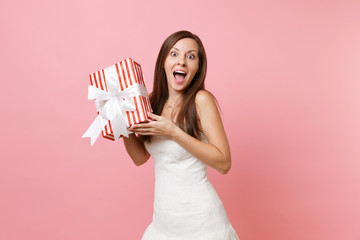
[(181, 72)]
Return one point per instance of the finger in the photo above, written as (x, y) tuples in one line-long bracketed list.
[(140, 126), (154, 116), (140, 123), (137, 130), (144, 132)]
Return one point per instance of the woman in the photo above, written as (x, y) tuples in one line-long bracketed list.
[(185, 136)]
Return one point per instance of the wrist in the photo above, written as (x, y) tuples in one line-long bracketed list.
[(175, 133)]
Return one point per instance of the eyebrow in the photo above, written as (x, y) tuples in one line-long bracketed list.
[(187, 51)]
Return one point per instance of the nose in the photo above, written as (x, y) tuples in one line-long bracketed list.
[(181, 62)]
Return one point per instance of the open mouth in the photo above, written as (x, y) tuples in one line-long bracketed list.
[(179, 76)]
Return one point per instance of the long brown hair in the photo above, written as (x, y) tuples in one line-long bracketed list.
[(187, 118)]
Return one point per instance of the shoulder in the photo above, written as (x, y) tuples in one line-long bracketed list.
[(203, 97), (205, 102)]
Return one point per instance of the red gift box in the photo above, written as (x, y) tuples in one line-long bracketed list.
[(127, 88)]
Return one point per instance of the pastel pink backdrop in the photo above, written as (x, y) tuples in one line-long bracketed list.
[(286, 75)]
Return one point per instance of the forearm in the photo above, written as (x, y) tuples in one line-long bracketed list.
[(219, 159), (136, 149)]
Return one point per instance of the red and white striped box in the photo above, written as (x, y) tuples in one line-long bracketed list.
[(129, 72)]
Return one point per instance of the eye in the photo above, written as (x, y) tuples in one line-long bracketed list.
[(174, 54), (191, 56)]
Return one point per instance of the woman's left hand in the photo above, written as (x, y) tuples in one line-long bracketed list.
[(160, 126)]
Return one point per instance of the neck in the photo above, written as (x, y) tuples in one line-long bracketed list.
[(174, 97)]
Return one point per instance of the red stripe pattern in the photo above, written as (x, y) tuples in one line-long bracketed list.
[(129, 72)]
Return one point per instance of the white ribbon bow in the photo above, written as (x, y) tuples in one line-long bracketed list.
[(112, 105)]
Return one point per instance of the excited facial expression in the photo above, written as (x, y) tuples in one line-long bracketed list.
[(182, 64)]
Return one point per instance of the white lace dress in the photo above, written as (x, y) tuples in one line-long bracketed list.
[(186, 206)]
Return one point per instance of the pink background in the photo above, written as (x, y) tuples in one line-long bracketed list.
[(285, 74)]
